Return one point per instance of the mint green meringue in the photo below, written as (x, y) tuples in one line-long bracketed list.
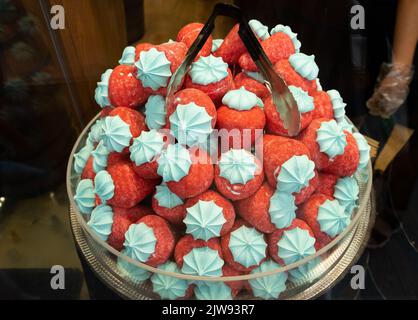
[(338, 105), (140, 242), (332, 218), (204, 220), (304, 65), (128, 56), (84, 196), (247, 246), (318, 84), (116, 134), (259, 29), (363, 148), (167, 287), (257, 76), (269, 287), (282, 209), (166, 198), (203, 261), (331, 139), (212, 291), (104, 186), (295, 245), (346, 191), (237, 166), (96, 132), (101, 221), (216, 43), (301, 273), (174, 163), (241, 99), (190, 124), (101, 94), (155, 112), (100, 155), (345, 125), (81, 157), (303, 100), (207, 70), (295, 174), (131, 271), (146, 147), (288, 31), (154, 69)]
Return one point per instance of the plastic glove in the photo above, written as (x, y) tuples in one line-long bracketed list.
[(391, 90)]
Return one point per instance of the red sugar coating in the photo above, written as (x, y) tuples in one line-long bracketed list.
[(216, 90), (323, 106), (274, 123), (250, 84), (165, 239), (236, 286), (174, 215), (105, 112), (342, 165), (188, 35), (147, 170), (175, 52), (326, 184), (187, 243), (307, 191), (279, 46), (255, 209), (199, 178), (133, 118), (142, 47), (275, 237), (88, 171), (239, 191), (232, 47), (230, 119), (130, 189), (291, 77), (186, 96), (228, 210), (229, 258), (116, 157), (308, 212), (122, 219), (277, 151), (125, 90)]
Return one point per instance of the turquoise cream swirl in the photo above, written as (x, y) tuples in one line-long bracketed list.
[(269, 287), (331, 139), (101, 221), (295, 245), (208, 70), (174, 163), (304, 65), (237, 166), (295, 174), (154, 69), (241, 99)]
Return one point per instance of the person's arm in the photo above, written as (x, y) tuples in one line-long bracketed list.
[(394, 79)]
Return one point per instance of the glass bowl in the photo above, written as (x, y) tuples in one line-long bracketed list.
[(322, 270)]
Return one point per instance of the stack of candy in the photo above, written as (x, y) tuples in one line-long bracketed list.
[(158, 185)]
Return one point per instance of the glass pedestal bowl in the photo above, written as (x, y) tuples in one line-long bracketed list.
[(126, 276)]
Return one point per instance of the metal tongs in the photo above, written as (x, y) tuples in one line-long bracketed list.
[(285, 103)]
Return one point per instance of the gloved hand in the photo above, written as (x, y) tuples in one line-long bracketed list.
[(391, 90)]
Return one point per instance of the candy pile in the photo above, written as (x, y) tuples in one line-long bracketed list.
[(156, 185)]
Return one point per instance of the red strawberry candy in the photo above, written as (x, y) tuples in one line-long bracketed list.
[(277, 47), (208, 215), (243, 79), (212, 76), (187, 243), (339, 155), (122, 219), (120, 186), (150, 240), (142, 47), (133, 118), (236, 286), (168, 205), (188, 35), (113, 157), (238, 174), (255, 209), (232, 47), (240, 116), (248, 246), (291, 77), (125, 90), (326, 184), (291, 235)]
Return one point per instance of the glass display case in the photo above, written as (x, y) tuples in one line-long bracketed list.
[(49, 73)]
